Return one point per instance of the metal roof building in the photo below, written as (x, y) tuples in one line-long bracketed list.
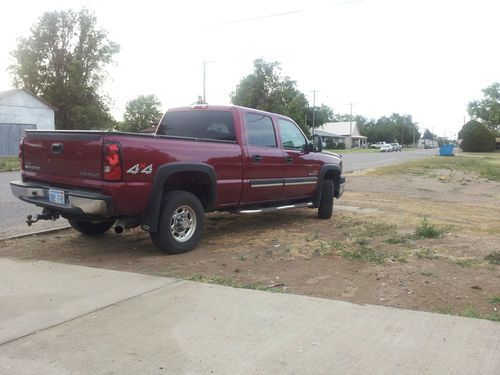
[(20, 110)]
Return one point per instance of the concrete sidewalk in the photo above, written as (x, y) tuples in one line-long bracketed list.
[(126, 323)]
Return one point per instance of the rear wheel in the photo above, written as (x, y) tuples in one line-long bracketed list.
[(91, 228), (181, 223), (325, 208)]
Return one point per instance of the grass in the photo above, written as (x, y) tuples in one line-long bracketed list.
[(352, 150), (9, 163), (467, 262), (470, 312), (228, 281), (486, 165), (427, 230), (427, 254), (493, 258), (495, 300)]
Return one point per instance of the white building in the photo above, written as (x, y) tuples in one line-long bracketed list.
[(346, 132), (21, 110)]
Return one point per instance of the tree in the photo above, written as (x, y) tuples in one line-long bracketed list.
[(428, 135), (476, 137), (487, 110), (322, 115), (395, 128), (141, 113), (266, 89), (63, 62)]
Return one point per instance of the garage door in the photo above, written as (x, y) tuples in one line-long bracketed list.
[(10, 135)]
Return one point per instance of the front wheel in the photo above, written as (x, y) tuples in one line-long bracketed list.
[(91, 228), (181, 223), (325, 208)]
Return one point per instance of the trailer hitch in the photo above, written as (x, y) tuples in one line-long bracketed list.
[(46, 214)]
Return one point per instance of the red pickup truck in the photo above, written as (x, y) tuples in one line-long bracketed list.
[(202, 158)]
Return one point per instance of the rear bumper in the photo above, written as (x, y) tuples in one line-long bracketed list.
[(76, 202)]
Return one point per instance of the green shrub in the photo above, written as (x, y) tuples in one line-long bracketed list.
[(427, 230), (330, 143), (340, 146), (476, 138)]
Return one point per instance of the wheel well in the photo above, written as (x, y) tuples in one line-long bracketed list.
[(335, 176), (197, 183)]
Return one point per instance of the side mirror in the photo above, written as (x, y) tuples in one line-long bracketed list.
[(317, 143)]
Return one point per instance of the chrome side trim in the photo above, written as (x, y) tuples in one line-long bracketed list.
[(301, 183), (269, 209)]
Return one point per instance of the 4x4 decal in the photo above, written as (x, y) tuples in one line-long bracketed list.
[(141, 168)]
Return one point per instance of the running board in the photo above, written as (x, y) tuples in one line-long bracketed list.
[(269, 209)]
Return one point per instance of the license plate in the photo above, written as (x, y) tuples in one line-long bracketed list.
[(56, 196)]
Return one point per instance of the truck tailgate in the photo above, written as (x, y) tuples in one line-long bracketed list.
[(65, 154)]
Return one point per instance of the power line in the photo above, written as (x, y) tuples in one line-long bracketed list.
[(281, 14)]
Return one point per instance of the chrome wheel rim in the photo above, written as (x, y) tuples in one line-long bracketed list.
[(183, 224)]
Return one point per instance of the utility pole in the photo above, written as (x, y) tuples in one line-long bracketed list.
[(350, 122), (403, 137), (204, 78), (414, 134), (314, 111)]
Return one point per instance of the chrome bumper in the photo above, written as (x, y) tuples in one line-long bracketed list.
[(340, 190), (76, 202)]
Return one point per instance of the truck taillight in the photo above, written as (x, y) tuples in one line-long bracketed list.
[(112, 162), (21, 159)]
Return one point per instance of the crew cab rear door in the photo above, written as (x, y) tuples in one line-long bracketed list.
[(302, 166), (263, 160)]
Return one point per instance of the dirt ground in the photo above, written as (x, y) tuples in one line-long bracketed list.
[(368, 253)]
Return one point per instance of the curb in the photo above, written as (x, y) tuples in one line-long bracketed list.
[(35, 233)]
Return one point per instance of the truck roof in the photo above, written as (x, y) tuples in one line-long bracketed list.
[(227, 107)]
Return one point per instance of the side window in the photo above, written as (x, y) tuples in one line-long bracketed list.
[(260, 130), (291, 136)]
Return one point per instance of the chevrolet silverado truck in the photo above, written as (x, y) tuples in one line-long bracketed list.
[(201, 159)]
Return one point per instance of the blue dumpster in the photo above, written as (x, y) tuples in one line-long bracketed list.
[(446, 150)]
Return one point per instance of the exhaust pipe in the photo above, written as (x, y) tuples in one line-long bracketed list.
[(126, 223)]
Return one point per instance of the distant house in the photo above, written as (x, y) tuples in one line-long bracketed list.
[(346, 132), (20, 110)]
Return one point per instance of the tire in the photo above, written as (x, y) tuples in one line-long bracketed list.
[(90, 228), (181, 223), (325, 208)]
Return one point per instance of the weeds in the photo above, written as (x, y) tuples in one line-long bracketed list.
[(228, 281), (493, 258), (427, 230), (9, 163), (365, 253), (469, 312), (467, 262), (426, 253), (427, 274), (495, 300)]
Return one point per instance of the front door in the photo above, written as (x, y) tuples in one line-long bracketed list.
[(302, 167), (263, 162)]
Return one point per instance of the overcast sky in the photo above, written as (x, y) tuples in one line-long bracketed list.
[(426, 58)]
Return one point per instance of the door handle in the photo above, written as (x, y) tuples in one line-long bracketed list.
[(57, 148), (288, 159), (257, 158)]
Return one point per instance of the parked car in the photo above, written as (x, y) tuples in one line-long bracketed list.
[(386, 148), (378, 145), (396, 147), (201, 159)]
